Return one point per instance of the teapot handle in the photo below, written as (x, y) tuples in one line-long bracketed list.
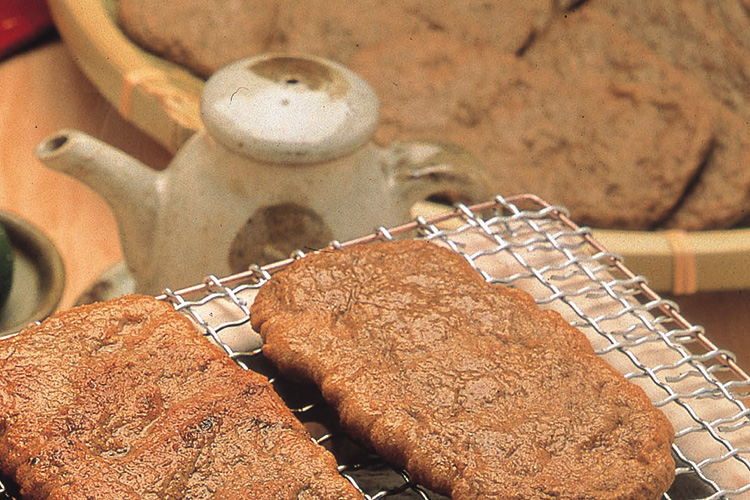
[(431, 169)]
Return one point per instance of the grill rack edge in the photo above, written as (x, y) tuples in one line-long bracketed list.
[(720, 372), (507, 224)]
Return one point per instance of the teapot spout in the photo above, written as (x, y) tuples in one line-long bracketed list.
[(129, 187)]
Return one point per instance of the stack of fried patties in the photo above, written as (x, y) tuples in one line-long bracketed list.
[(632, 114)]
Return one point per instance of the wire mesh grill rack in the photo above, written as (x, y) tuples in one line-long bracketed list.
[(526, 243)]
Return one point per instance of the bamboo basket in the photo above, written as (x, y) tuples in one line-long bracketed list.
[(162, 99)]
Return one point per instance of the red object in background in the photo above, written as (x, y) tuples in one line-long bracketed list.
[(21, 22)]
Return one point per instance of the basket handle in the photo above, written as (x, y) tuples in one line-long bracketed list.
[(422, 170)]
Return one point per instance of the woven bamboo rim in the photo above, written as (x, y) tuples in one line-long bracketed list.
[(683, 262), (160, 98)]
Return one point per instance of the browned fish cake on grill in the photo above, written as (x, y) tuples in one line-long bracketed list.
[(125, 399), (467, 385)]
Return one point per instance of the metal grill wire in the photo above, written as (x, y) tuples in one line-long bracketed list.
[(525, 235), (537, 249), (541, 251)]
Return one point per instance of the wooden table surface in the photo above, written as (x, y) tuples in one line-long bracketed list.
[(42, 90)]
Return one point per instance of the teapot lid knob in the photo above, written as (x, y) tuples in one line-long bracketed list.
[(289, 108)]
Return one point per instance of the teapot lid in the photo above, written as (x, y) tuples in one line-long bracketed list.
[(289, 109)]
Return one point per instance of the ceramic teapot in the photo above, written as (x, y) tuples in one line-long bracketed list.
[(285, 162)]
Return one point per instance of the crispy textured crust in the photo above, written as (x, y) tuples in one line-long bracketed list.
[(126, 400), (469, 386)]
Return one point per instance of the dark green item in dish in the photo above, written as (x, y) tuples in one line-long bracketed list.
[(6, 266)]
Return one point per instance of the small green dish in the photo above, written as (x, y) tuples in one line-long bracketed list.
[(38, 277), (6, 267)]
